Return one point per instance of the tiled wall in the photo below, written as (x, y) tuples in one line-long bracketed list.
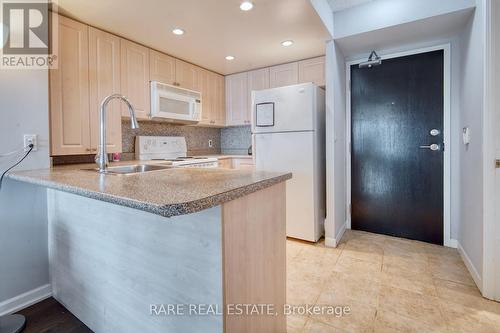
[(236, 140), (196, 137)]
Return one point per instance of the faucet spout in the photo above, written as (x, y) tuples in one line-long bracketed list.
[(102, 156)]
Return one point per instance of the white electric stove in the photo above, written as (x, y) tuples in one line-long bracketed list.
[(170, 149)]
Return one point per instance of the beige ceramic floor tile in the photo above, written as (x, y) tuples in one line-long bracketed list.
[(390, 322), (359, 319), (295, 324), (465, 295), (411, 282), (344, 288), (350, 265), (456, 272), (462, 319), (314, 326), (411, 305), (364, 251), (415, 287)]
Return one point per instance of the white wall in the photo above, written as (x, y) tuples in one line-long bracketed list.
[(23, 215), (471, 156), (336, 144), (381, 14)]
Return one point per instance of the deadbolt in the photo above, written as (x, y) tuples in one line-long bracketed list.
[(435, 132)]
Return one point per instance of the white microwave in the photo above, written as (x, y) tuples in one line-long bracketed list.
[(175, 104)]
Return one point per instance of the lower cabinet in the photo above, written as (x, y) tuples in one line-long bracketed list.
[(243, 164), (226, 163), (237, 163)]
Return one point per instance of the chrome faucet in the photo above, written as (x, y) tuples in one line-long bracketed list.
[(102, 157)]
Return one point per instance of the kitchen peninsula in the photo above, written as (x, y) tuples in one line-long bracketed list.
[(122, 245)]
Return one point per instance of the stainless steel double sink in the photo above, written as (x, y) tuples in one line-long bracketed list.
[(133, 169)]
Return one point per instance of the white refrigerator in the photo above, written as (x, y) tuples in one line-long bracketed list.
[(288, 134)]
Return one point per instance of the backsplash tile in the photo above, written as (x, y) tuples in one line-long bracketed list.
[(236, 140), (196, 137)]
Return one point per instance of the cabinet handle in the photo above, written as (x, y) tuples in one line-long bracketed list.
[(88, 149)]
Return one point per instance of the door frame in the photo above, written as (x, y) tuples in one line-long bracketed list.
[(447, 241)]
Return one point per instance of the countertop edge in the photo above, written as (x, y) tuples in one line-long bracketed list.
[(165, 211)]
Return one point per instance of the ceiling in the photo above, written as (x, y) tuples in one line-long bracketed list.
[(338, 5), (214, 29)]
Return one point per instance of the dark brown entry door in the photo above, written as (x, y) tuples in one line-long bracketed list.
[(397, 179)]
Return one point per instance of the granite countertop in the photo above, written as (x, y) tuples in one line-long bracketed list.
[(169, 192)]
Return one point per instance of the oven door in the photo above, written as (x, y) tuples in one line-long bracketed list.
[(174, 107)]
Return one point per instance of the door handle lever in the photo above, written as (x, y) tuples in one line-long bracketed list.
[(433, 147)]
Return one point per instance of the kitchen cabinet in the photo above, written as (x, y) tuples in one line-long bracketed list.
[(162, 67), (312, 70), (135, 78), (257, 80), (212, 91), (187, 76), (220, 100), (237, 105), (243, 164), (69, 91), (284, 75), (104, 80), (226, 163)]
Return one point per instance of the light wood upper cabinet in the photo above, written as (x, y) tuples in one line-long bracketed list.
[(284, 75), (257, 80), (69, 91), (135, 78), (162, 67), (237, 99), (187, 76), (206, 97), (212, 90), (312, 70), (220, 101), (104, 78)]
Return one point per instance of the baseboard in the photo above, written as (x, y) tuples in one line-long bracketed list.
[(334, 242), (22, 301), (472, 270), (452, 243)]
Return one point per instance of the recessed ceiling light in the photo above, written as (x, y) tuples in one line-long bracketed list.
[(229, 58), (178, 31), (246, 6), (287, 42)]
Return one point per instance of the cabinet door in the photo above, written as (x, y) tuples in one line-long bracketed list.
[(257, 80), (104, 74), (187, 75), (284, 75), (219, 110), (162, 67), (312, 70), (206, 85), (243, 164), (135, 78), (69, 91), (225, 163), (236, 99)]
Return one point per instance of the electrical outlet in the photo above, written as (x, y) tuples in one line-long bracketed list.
[(30, 139), (210, 143)]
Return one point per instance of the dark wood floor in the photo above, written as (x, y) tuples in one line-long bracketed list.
[(49, 316)]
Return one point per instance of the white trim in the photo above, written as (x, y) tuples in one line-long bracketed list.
[(453, 243), (491, 231), (22, 301), (447, 241), (334, 242), (470, 266)]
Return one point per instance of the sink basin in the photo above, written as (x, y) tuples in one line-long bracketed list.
[(134, 169)]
